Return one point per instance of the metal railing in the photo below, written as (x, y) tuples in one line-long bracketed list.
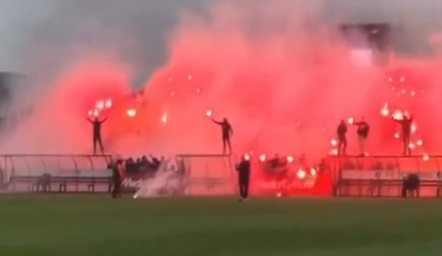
[(400, 166)]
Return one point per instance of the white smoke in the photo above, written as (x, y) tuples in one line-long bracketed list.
[(164, 181)]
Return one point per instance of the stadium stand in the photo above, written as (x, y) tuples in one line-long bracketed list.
[(69, 173)]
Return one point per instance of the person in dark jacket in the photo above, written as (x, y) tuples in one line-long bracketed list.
[(96, 137), (117, 172), (342, 137), (363, 131), (227, 133), (243, 169)]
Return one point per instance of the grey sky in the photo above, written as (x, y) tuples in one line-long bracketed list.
[(149, 21)]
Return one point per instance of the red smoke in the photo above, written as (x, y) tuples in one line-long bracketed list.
[(280, 74)]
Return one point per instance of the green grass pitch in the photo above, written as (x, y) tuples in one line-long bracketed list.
[(97, 225)]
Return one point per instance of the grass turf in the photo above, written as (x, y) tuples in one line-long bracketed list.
[(98, 225)]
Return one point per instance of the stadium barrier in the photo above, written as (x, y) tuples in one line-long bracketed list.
[(208, 174), (382, 176), (69, 173)]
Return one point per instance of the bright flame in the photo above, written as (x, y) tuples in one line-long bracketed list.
[(398, 115), (419, 143), (100, 105), (246, 157), (131, 112), (209, 113), (108, 103), (262, 158), (385, 112), (334, 142), (290, 159), (313, 172), (334, 152), (411, 145), (164, 118), (94, 113), (413, 128), (426, 157), (351, 120), (301, 174), (397, 135)]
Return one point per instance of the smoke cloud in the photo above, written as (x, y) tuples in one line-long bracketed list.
[(279, 71)]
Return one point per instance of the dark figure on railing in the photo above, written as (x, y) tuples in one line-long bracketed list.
[(363, 130), (117, 173), (406, 126), (96, 138), (243, 169), (227, 133), (342, 138)]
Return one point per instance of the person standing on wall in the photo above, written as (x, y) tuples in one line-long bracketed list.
[(96, 137), (227, 133), (406, 123), (363, 130), (342, 138)]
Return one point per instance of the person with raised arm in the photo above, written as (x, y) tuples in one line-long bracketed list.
[(362, 131), (96, 137), (227, 133), (406, 123)]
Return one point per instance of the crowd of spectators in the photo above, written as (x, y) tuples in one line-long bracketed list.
[(143, 164)]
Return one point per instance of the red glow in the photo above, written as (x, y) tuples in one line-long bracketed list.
[(280, 94)]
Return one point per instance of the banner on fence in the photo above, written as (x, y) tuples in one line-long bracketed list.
[(134, 180), (388, 175)]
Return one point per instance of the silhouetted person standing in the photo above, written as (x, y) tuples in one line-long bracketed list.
[(227, 133), (243, 169), (406, 125), (96, 138), (342, 138), (363, 130), (117, 171)]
